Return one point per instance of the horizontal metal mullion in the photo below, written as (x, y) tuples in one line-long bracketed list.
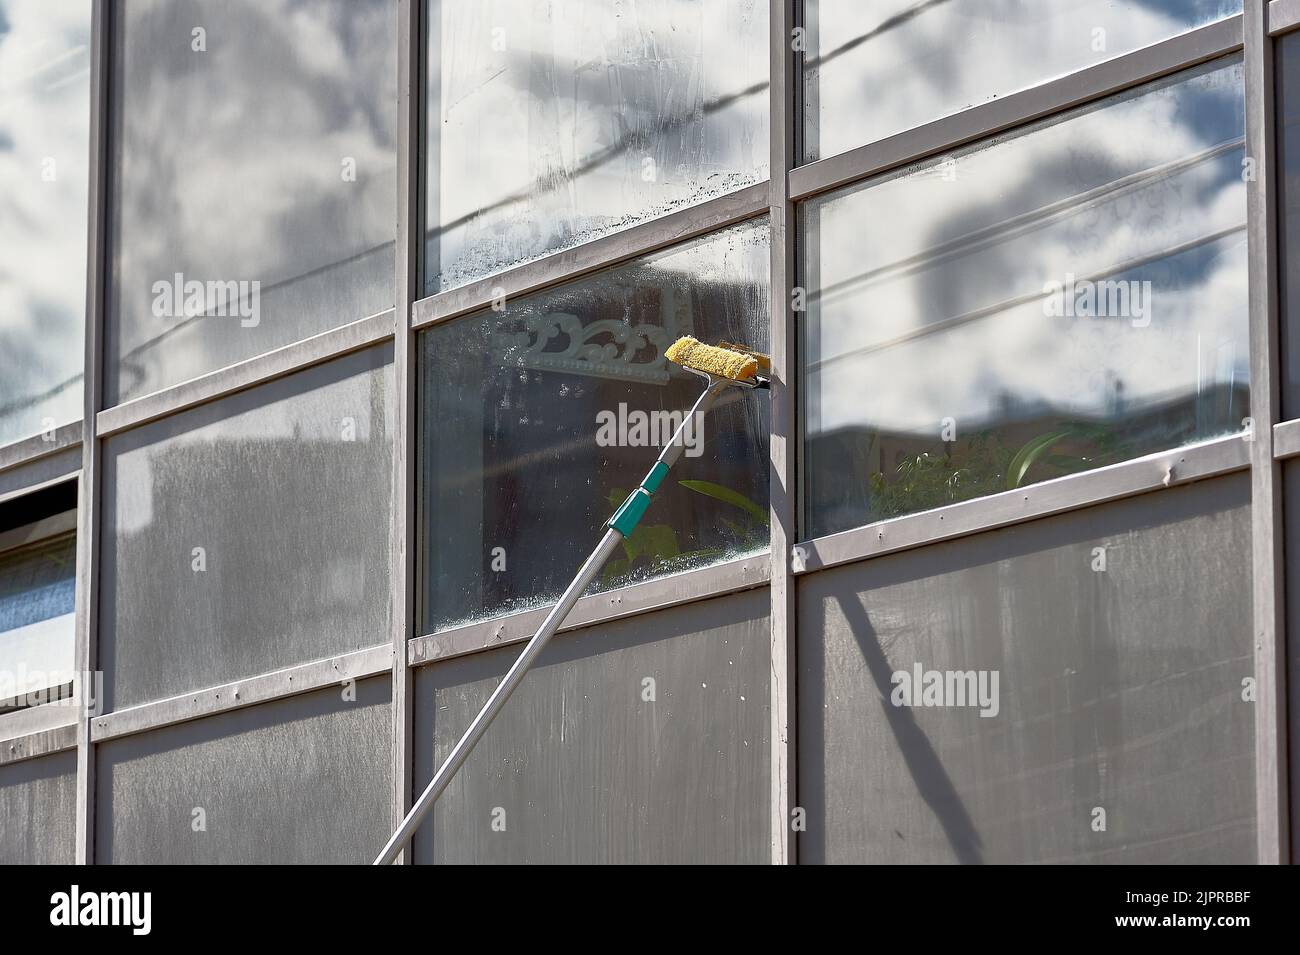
[(40, 446), (36, 719), (660, 594), (1283, 16), (988, 119), (40, 474), (46, 527), (1286, 439), (42, 742), (247, 374), (1126, 479), (697, 220), (291, 681)]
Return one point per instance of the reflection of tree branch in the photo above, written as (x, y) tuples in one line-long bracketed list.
[(126, 360), (1029, 221), (551, 180), (544, 183), (898, 19), (1000, 307)]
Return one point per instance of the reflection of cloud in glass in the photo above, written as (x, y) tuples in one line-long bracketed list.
[(44, 132), (927, 287), (936, 57), (549, 127), (236, 163)]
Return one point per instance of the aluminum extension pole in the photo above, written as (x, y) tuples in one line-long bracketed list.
[(620, 525)]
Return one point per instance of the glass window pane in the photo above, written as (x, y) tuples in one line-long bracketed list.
[(1048, 302), (937, 57), (248, 534), (254, 180), (537, 422), (37, 609), (552, 124), (44, 145)]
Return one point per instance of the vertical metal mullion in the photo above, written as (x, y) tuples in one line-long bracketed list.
[(784, 433), (87, 577), (409, 77), (1266, 490)]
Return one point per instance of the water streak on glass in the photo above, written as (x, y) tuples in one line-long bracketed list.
[(1045, 303), (553, 124)]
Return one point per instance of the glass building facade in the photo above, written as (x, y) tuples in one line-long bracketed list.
[(332, 333)]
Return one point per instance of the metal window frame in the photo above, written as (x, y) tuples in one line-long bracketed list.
[(988, 119), (1283, 16), (79, 454), (1268, 580), (39, 446), (556, 268), (88, 488), (661, 593), (410, 82), (784, 84)]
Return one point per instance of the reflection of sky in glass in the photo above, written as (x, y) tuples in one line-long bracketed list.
[(927, 286), (236, 164), (935, 57), (552, 124), (44, 144)]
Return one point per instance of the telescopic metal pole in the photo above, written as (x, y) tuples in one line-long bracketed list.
[(620, 525)]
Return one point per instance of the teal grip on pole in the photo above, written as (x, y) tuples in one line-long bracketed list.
[(627, 517), (655, 477)]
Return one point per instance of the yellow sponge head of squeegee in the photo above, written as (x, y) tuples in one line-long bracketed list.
[(722, 362)]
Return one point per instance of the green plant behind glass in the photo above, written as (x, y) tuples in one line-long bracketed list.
[(982, 464), (654, 549)]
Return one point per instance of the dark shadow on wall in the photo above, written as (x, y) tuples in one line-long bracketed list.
[(932, 781), (1090, 620)]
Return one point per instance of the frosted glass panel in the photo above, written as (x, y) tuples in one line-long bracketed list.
[(44, 149), (254, 180), (248, 534)]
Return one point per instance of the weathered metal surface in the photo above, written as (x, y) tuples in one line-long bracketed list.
[(38, 799), (1120, 690), (581, 767), (303, 780)]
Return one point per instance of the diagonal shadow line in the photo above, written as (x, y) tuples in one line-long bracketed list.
[(932, 780)]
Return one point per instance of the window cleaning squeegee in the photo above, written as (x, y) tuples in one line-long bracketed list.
[(721, 366)]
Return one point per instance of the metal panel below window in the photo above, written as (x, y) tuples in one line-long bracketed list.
[(640, 741), (37, 803), (1120, 729), (304, 780)]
